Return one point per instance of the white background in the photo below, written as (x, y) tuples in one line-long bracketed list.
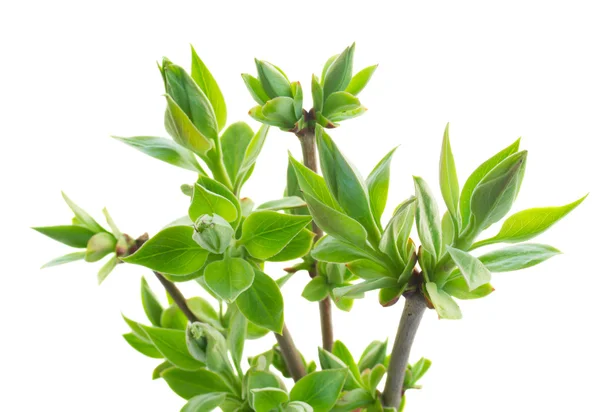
[(72, 73)]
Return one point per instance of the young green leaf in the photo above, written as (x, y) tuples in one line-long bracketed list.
[(83, 218), (360, 80), (280, 112), (448, 231), (255, 88), (367, 269), (100, 245), (298, 406), (250, 155), (358, 399), (267, 399), (443, 303), (204, 311), (234, 142), (262, 303), (330, 249), (266, 233), (207, 83), (313, 185), (346, 186), (395, 236), (172, 345), (213, 233), (205, 202), (236, 336), (229, 277), (496, 192), (189, 384), (378, 184), (290, 202), (207, 345), (74, 236), (330, 361), (449, 178), (183, 131), (143, 347), (317, 94), (458, 288), (61, 260), (477, 176), (529, 223), (205, 402), (429, 225), (163, 149), (373, 355), (338, 103), (272, 79), (172, 251), (298, 97), (298, 247), (366, 286), (152, 306), (342, 352), (338, 75), (320, 389), (473, 270), (137, 329), (517, 257), (316, 290), (220, 189)]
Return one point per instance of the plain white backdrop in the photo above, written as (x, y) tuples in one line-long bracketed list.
[(73, 73)]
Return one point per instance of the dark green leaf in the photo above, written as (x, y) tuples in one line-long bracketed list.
[(142, 347), (172, 345), (205, 80), (74, 236), (189, 384), (152, 306), (449, 178), (172, 251), (378, 184), (229, 277), (320, 389), (262, 303), (360, 80), (429, 225)]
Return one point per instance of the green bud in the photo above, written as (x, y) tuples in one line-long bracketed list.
[(273, 80), (208, 345), (339, 73), (100, 245), (213, 233)]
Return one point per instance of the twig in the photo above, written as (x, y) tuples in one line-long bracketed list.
[(178, 297), (290, 354)]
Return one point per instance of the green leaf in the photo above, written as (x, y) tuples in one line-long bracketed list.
[(173, 318), (252, 151), (266, 233), (183, 131), (163, 149), (71, 257), (298, 96), (447, 231), (345, 184), (415, 372), (280, 112), (373, 355), (204, 311), (317, 94), (341, 351), (338, 75), (152, 306), (111, 223), (220, 189), (313, 184), (316, 290), (529, 223), (474, 271), (137, 329), (236, 336), (205, 202), (83, 218), (74, 236), (208, 345), (429, 225), (338, 103), (336, 223), (366, 286), (172, 345), (449, 178), (142, 347), (378, 184), (172, 251), (273, 81), (204, 403), (395, 236), (496, 192), (290, 202), (330, 249), (159, 369), (360, 80), (229, 277), (267, 399), (298, 247), (357, 399), (445, 306), (262, 303), (234, 143), (517, 257), (330, 361), (458, 288), (298, 407), (205, 80), (190, 384), (477, 176), (320, 389), (368, 270), (100, 245), (255, 88)]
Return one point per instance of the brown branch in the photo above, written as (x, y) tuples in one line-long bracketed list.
[(178, 297), (290, 354)]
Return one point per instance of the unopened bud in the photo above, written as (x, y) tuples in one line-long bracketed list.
[(213, 233)]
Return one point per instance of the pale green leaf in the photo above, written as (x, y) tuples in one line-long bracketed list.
[(449, 178), (205, 202), (229, 277), (207, 83), (429, 225), (445, 306), (472, 269)]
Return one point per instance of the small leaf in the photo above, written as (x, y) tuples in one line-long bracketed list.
[(152, 306), (298, 97), (205, 202), (341, 351), (273, 81), (395, 236), (83, 218), (267, 399), (255, 88), (444, 305), (172, 251), (266, 233), (474, 271), (317, 94), (189, 384), (236, 336), (338, 103), (204, 403), (339, 73), (449, 178), (262, 303), (298, 407), (229, 277), (74, 236), (378, 184), (517, 257), (183, 131), (429, 225), (207, 83), (320, 389), (360, 80), (477, 176), (529, 223), (142, 347), (172, 345), (316, 290), (280, 112), (367, 269), (71, 257), (357, 399), (234, 142), (373, 355), (220, 189), (330, 249), (298, 247), (458, 288), (163, 149), (111, 223), (250, 156), (313, 184), (290, 202)]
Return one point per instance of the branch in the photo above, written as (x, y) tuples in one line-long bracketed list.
[(309, 154), (290, 354), (414, 308), (178, 297)]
